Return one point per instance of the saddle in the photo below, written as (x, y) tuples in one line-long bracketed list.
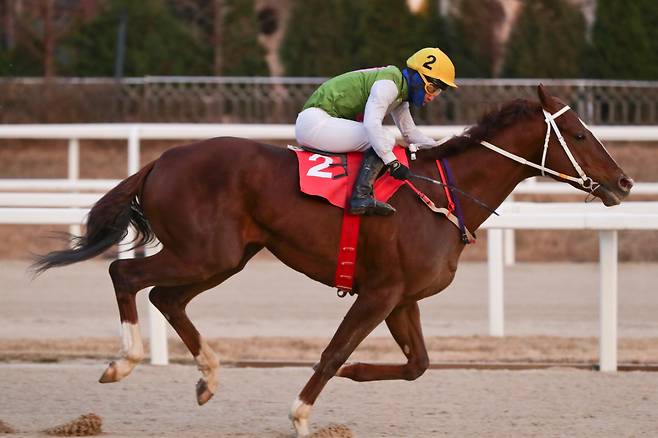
[(331, 176)]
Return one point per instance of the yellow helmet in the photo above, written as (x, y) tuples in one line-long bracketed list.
[(433, 63)]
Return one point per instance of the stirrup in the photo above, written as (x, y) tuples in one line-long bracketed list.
[(370, 207)]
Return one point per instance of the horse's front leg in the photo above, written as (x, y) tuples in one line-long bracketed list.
[(366, 313), (404, 324)]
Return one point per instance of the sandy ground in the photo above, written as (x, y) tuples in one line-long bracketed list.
[(159, 401), (269, 299), (271, 312)]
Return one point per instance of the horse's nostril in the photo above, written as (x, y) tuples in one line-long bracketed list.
[(625, 183)]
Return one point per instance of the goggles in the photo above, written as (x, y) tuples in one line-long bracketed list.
[(433, 86)]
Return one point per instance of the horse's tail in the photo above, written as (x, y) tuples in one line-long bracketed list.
[(107, 224)]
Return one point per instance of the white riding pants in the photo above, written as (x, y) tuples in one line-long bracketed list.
[(317, 129)]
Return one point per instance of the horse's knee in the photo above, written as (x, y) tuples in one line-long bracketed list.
[(416, 368), (328, 365)]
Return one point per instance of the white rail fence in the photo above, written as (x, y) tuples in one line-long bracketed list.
[(32, 201), (563, 216), (134, 133), (514, 215)]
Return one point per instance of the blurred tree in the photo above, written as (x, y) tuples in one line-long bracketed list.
[(624, 41), (548, 40), (329, 38), (241, 53), (229, 29), (19, 61), (433, 30), (30, 33), (477, 48), (218, 36), (386, 35), (319, 39), (157, 43)]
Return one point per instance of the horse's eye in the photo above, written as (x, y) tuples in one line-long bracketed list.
[(580, 136)]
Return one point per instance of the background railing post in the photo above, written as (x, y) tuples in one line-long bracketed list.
[(133, 150), (608, 304), (74, 160), (509, 246), (73, 174), (496, 299), (157, 327)]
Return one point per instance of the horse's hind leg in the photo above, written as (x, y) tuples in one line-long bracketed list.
[(404, 324), (129, 276), (171, 301), (365, 314)]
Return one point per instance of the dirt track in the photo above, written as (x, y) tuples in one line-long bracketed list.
[(269, 299), (159, 401), (269, 311)]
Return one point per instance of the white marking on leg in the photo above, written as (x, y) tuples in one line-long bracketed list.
[(208, 364), (132, 352), (299, 413)]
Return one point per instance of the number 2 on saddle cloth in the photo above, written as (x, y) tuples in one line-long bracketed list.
[(332, 176)]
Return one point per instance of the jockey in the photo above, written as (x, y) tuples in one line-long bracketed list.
[(346, 112)]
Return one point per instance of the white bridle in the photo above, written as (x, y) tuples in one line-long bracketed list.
[(586, 182)]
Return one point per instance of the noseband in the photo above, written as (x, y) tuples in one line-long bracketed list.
[(585, 182)]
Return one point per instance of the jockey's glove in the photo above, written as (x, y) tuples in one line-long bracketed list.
[(398, 170)]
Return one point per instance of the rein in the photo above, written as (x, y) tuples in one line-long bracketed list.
[(584, 181), (453, 213), (414, 147), (451, 187)]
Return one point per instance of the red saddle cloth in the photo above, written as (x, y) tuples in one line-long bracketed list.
[(332, 178)]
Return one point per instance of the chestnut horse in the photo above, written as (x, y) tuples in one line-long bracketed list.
[(214, 204)]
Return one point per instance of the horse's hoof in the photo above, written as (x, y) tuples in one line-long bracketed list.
[(111, 374), (299, 413), (301, 427), (203, 394)]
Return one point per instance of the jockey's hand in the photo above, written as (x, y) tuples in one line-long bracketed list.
[(398, 170)]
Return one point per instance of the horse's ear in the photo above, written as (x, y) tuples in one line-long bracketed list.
[(544, 97)]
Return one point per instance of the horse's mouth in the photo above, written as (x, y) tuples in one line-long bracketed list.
[(610, 198)]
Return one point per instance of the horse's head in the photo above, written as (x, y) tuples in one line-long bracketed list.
[(572, 150)]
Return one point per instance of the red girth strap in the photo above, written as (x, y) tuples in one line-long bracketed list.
[(444, 180), (349, 237)]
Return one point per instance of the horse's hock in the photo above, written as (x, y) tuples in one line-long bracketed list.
[(106, 159)]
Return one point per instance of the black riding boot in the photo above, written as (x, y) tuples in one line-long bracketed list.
[(362, 201)]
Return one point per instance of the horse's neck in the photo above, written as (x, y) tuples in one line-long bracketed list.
[(487, 176)]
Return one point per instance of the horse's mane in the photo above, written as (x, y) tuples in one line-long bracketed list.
[(489, 125)]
